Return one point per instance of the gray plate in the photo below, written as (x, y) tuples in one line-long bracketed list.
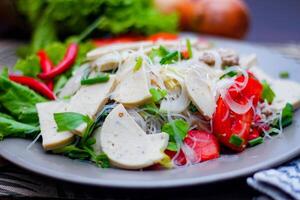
[(272, 152)]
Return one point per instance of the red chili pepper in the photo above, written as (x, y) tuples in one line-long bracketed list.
[(46, 66), (34, 84), (64, 65)]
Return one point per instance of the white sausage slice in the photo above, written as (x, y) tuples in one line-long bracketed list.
[(200, 93), (51, 138), (90, 99), (127, 145)]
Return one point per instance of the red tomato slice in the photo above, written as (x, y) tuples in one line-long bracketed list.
[(227, 123), (253, 89), (163, 36), (204, 145)]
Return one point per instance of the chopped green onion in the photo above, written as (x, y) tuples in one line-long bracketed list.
[(157, 94), (256, 141), (287, 115), (284, 74), (138, 65), (98, 79), (189, 48), (229, 74), (236, 140), (169, 58), (267, 93)]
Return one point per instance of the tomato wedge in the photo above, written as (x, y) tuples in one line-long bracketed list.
[(204, 145), (163, 36), (253, 89), (230, 128)]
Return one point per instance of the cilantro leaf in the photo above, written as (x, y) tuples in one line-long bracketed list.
[(287, 115), (157, 94), (267, 93), (177, 130), (69, 121)]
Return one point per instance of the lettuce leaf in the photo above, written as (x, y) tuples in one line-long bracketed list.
[(19, 101), (13, 128)]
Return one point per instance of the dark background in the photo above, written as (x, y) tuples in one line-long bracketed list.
[(271, 21), (274, 20)]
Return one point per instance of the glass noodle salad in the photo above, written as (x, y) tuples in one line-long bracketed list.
[(155, 103)]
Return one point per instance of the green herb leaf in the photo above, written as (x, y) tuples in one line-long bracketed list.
[(256, 141), (29, 66), (102, 78), (236, 140), (287, 115), (159, 52), (69, 121), (177, 130), (284, 74), (172, 146), (138, 65), (169, 58), (157, 94), (229, 74), (150, 108), (267, 93)]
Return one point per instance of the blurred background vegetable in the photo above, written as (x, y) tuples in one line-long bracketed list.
[(59, 19), (227, 18)]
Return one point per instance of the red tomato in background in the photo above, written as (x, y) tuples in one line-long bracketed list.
[(204, 145), (163, 36), (119, 39)]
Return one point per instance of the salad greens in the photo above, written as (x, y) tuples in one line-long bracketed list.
[(83, 148), (267, 93), (52, 20), (68, 121), (19, 101), (13, 128), (157, 94), (177, 130)]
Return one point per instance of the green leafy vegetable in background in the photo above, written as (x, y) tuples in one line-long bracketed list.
[(19, 101), (177, 130), (60, 18), (267, 93)]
